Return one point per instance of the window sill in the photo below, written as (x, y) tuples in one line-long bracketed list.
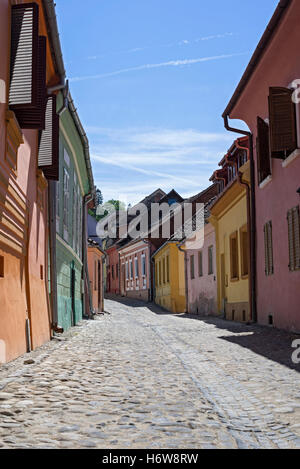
[(291, 158), (265, 182), (234, 280)]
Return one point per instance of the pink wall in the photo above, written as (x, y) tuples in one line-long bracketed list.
[(278, 295), (202, 291), (23, 290), (140, 285)]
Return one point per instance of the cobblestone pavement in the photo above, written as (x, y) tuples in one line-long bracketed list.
[(141, 378)]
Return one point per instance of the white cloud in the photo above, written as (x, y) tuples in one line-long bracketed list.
[(171, 63), (183, 159)]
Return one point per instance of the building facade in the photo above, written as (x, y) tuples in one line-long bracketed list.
[(95, 265), (71, 190), (266, 100), (112, 268), (25, 106), (170, 286), (202, 272), (229, 216)]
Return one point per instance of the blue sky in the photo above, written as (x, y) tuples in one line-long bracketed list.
[(150, 79)]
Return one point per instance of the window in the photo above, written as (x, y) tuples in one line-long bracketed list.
[(210, 260), (156, 274), (127, 271), (27, 92), (159, 269), (117, 270), (192, 266), (131, 269), (164, 270), (234, 256), (95, 276), (244, 251), (48, 153), (113, 272), (41, 272), (263, 150), (294, 238), (168, 269), (143, 265), (79, 222), (283, 130), (269, 266), (136, 267), (57, 206), (200, 264), (75, 215), (66, 204)]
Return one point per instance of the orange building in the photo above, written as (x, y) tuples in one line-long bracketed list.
[(95, 266), (31, 72)]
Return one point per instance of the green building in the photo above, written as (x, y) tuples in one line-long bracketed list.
[(73, 192)]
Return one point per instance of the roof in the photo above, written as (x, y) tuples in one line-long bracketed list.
[(259, 52)]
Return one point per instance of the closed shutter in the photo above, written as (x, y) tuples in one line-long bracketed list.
[(24, 56), (263, 150), (34, 117), (282, 113), (294, 238), (48, 158), (268, 238)]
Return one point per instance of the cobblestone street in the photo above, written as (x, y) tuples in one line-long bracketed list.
[(141, 378)]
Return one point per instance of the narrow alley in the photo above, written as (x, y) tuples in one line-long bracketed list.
[(139, 377)]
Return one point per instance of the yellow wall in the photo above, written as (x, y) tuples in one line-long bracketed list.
[(170, 294), (229, 215)]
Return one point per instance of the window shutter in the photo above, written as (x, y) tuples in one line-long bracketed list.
[(48, 159), (268, 237), (270, 248), (24, 56), (294, 238), (282, 113), (263, 150), (34, 118)]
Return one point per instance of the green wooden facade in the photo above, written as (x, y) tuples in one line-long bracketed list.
[(73, 185)]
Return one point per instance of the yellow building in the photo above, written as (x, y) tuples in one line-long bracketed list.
[(170, 277), (229, 215)]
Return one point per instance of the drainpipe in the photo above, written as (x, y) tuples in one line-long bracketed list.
[(252, 216), (179, 246)]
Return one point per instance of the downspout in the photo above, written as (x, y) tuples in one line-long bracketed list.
[(179, 246), (252, 216)]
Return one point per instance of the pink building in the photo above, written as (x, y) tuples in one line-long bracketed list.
[(202, 274), (264, 101), (136, 269)]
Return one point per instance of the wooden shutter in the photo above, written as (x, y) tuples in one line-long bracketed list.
[(268, 237), (34, 117), (48, 158), (282, 113), (294, 238), (24, 56), (263, 150)]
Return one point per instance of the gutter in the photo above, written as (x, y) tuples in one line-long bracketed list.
[(252, 214), (84, 140), (259, 52)]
